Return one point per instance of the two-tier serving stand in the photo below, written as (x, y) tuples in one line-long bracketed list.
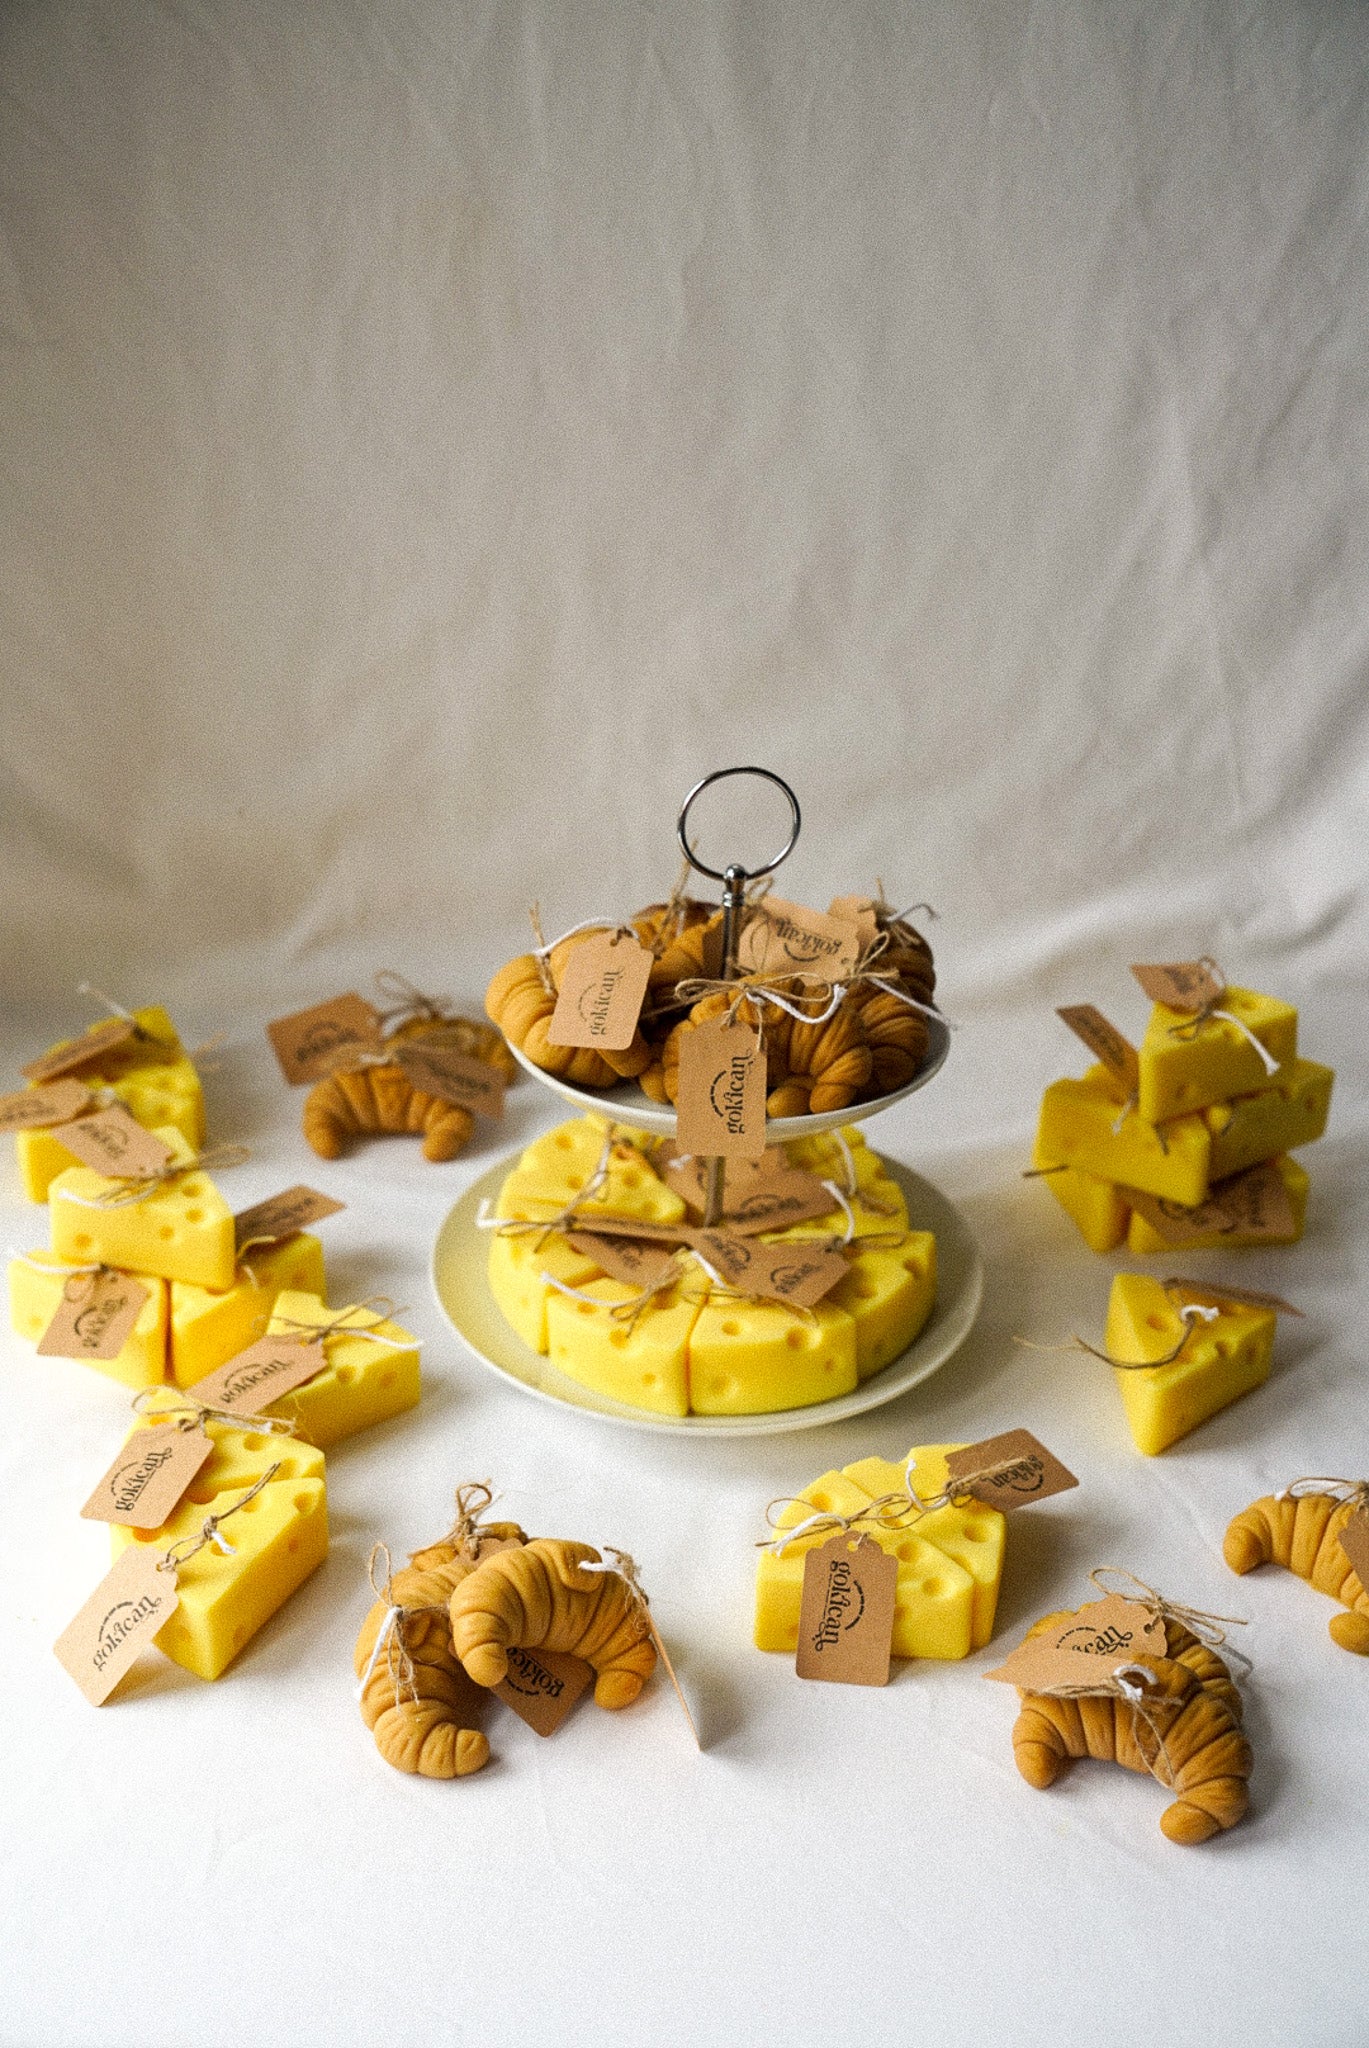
[(461, 1252)]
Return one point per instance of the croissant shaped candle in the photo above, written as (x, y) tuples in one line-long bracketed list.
[(415, 1698), (1302, 1531), (540, 1597), (1185, 1731), (381, 1098)]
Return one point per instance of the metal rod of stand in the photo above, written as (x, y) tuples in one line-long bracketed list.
[(734, 900)]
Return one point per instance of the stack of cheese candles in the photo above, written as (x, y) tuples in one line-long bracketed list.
[(1183, 1142), (207, 1298)]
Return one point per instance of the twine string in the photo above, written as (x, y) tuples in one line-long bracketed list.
[(1189, 1027), (390, 1638), (474, 1498), (1210, 1629), (211, 1530), (88, 988), (124, 1188), (624, 1566), (1351, 1491), (379, 1305), (186, 1413), (1190, 1315)]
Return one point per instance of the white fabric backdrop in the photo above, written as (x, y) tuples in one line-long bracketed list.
[(432, 436)]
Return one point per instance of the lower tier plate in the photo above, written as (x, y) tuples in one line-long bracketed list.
[(463, 1294)]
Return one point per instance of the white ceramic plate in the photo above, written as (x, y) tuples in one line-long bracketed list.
[(459, 1282), (627, 1104)]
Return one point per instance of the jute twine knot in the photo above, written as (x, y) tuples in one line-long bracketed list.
[(1208, 1628), (125, 1188), (474, 1499), (1189, 1027), (378, 1305), (186, 1413), (1191, 1313), (390, 1638), (1352, 1491), (211, 1529)]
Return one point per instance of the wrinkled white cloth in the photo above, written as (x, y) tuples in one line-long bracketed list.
[(431, 436)]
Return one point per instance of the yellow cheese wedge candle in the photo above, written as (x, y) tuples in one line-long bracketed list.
[(36, 1282), (1083, 1124), (152, 1076), (277, 1539), (1289, 1113), (1220, 1360), (1184, 1069), (1142, 1236), (645, 1363), (549, 1175), (1097, 1209), (208, 1328), (754, 1357), (371, 1374), (521, 1269), (950, 1562), (889, 1293), (181, 1230)]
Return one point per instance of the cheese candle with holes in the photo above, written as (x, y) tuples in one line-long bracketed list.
[(278, 1539), (368, 1378), (521, 1269), (557, 1167), (1076, 1128), (889, 1293), (950, 1562), (1220, 1361), (152, 1076), (35, 1296), (645, 1364), (754, 1357), (181, 1230), (1183, 1070), (1143, 1237), (208, 1327), (1292, 1111)]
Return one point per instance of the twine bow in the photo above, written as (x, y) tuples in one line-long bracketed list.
[(380, 1306), (211, 1529), (1208, 1628), (186, 1413), (390, 1637), (1189, 1028), (474, 1497), (630, 1310), (517, 1226)]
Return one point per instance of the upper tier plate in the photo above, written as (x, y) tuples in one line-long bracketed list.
[(626, 1103), (460, 1266)]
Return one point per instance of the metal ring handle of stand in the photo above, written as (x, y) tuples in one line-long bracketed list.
[(734, 880)]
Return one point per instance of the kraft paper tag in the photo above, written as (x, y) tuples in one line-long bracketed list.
[(1244, 1297), (797, 1274), (774, 1200), (144, 1485), (624, 1258), (116, 1144), (95, 1316), (451, 1075), (846, 1620), (720, 1108), (543, 1686), (859, 911), (1252, 1204), (788, 938), (1105, 1042), (309, 1043), (603, 987), (1016, 1471), (100, 1038), (1354, 1541), (689, 1176), (1086, 1647), (284, 1215), (36, 1109), (262, 1373), (1187, 985), (131, 1603), (632, 1226)]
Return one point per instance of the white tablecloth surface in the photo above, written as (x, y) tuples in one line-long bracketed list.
[(432, 436)]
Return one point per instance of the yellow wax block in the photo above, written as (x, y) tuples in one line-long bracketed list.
[(34, 1299), (154, 1079), (752, 1357), (1095, 1207), (1144, 1238), (878, 1200), (1184, 1072), (364, 1382), (516, 1271), (1083, 1124), (950, 1562), (974, 1535), (182, 1230), (1292, 1111), (209, 1328), (278, 1538), (888, 1294), (1220, 1361), (645, 1363), (555, 1169)]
